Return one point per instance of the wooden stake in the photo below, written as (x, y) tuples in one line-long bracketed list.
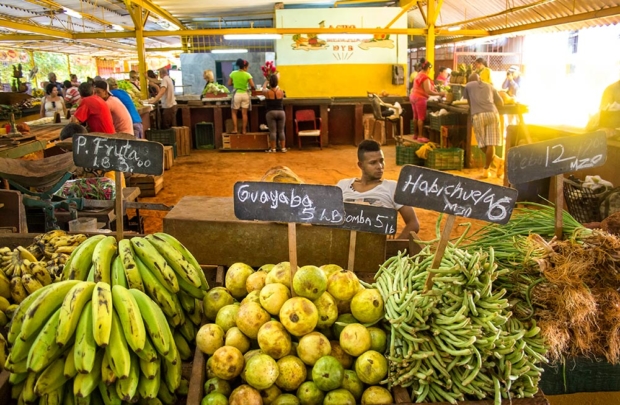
[(443, 243), (119, 205), (559, 206), (352, 245), (292, 252)]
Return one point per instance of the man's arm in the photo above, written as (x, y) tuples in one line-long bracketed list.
[(160, 94), (497, 100), (411, 221)]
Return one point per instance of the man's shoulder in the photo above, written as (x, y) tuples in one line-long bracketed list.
[(345, 182)]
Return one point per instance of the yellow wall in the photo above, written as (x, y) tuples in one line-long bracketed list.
[(593, 398), (338, 80)]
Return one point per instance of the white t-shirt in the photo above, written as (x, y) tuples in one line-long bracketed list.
[(168, 99), (380, 196)]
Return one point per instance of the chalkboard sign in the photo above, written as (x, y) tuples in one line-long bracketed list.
[(123, 155), (368, 218), (283, 202), (550, 158), (460, 196)]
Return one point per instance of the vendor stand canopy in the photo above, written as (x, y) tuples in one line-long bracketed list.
[(115, 27)]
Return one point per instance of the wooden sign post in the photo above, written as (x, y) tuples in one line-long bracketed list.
[(291, 203), (554, 158), (367, 218), (453, 195), (121, 155)]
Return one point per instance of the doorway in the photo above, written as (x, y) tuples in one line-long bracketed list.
[(223, 69)]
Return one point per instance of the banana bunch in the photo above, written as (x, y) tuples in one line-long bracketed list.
[(82, 342), (55, 242), (22, 274)]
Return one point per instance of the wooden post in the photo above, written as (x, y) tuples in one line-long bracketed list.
[(292, 252), (443, 242), (559, 206), (352, 245), (119, 205)]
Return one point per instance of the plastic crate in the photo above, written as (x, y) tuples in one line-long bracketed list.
[(445, 159), (436, 122), (204, 135), (163, 136), (582, 203), (405, 155)]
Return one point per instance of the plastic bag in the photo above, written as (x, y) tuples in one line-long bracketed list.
[(93, 188), (596, 184)]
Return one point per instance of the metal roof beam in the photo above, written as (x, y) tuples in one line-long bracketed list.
[(155, 9), (35, 29), (26, 37), (53, 5)]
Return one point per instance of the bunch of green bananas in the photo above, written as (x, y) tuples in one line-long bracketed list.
[(22, 274), (81, 342)]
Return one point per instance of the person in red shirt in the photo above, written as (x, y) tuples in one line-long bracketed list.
[(93, 111), (423, 87)]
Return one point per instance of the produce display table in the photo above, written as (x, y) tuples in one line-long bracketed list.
[(209, 229)]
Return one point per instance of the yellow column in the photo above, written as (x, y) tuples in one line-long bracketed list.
[(141, 60), (431, 17)]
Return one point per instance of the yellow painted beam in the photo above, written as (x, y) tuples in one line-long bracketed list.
[(421, 9), (155, 9), (132, 14), (430, 35), (26, 37), (438, 9), (104, 35), (468, 33), (35, 29), (344, 2), (400, 14), (144, 89), (285, 31)]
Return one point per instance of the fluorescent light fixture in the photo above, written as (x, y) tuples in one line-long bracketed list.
[(252, 36), (72, 13), (231, 50), (118, 27), (345, 36), (454, 28)]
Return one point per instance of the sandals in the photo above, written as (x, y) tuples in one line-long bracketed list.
[(270, 151), (283, 150)]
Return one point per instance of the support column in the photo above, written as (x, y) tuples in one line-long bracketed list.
[(431, 17), (141, 59)]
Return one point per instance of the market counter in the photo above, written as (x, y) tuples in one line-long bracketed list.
[(209, 229)]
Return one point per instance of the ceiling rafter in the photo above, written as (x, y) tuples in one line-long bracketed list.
[(59, 7)]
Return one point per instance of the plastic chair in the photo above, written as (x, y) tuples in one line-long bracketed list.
[(308, 120)]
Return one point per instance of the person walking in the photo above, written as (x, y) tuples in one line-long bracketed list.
[(275, 114)]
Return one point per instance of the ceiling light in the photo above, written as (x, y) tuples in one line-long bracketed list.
[(454, 28), (231, 50), (118, 27), (252, 36), (72, 13), (345, 36)]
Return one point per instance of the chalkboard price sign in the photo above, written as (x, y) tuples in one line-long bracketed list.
[(123, 155), (459, 196), (283, 202), (550, 158), (368, 218)]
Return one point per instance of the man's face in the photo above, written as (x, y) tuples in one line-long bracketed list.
[(373, 164), (52, 77)]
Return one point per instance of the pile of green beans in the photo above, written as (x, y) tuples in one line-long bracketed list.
[(458, 340)]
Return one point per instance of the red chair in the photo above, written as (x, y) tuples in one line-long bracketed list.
[(308, 121)]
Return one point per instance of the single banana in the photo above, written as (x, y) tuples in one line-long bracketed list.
[(84, 384), (25, 254), (41, 273), (82, 400), (28, 393), (173, 355), (4, 350), (126, 388), (81, 259), (187, 301), (17, 367), (102, 259), (119, 355), (20, 349), (165, 395), (130, 318), (44, 350), (188, 331), (118, 276), (107, 373), (85, 346), (156, 290), (190, 289), (196, 315), (151, 401), (20, 314), (15, 378), (102, 313), (155, 322), (69, 370), (30, 283), (150, 369), (182, 346), (108, 394), (18, 292), (69, 398), (71, 309), (65, 249), (5, 286), (52, 378), (156, 263), (91, 274), (174, 242), (43, 306), (184, 387), (175, 260), (10, 311), (148, 354), (17, 389), (4, 320), (125, 251), (55, 397), (149, 387)]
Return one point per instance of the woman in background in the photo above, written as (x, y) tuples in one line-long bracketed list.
[(423, 88), (443, 77), (275, 114), (209, 78), (483, 71), (134, 78), (52, 102), (240, 79), (153, 83)]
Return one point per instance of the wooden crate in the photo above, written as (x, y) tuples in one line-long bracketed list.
[(184, 141), (168, 157), (149, 185), (249, 141)]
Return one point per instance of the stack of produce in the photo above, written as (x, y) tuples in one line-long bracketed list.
[(314, 348), (459, 339), (215, 88), (24, 270), (132, 91), (135, 303), (570, 287)]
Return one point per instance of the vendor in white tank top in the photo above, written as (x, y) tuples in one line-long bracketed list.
[(372, 189)]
